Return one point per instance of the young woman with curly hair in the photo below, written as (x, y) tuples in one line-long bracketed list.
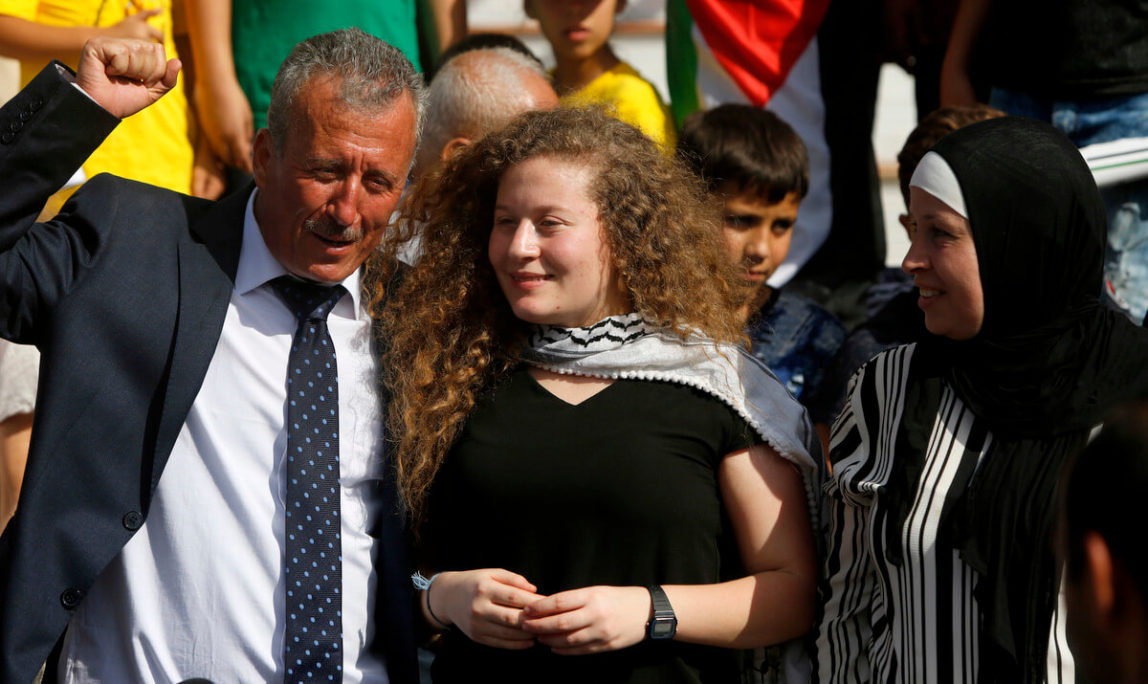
[(595, 465)]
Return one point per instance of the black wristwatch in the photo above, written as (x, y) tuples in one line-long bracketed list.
[(664, 624)]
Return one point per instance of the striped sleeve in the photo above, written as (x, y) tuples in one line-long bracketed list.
[(850, 599), (845, 629), (848, 579)]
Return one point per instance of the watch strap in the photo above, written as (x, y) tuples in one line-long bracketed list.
[(661, 601), (663, 624)]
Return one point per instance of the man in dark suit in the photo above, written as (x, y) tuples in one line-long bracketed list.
[(186, 510)]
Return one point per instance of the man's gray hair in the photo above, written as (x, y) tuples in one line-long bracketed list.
[(477, 92), (372, 74)]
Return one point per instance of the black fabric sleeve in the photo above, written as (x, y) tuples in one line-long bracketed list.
[(46, 132)]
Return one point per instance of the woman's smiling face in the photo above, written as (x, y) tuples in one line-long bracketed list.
[(547, 246), (942, 259)]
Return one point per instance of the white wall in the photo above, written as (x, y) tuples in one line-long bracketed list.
[(896, 118)]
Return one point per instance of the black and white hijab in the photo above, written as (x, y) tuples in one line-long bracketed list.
[(1048, 363)]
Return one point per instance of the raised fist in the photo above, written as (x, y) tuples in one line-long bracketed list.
[(125, 75)]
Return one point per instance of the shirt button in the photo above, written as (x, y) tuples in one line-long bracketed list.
[(133, 521), (6, 138), (71, 598)]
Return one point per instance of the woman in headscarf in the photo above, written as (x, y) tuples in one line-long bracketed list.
[(607, 486), (946, 455)]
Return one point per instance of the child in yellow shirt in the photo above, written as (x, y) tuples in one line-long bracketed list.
[(588, 71), (152, 146)]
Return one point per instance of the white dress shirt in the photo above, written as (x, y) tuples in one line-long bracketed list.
[(199, 590)]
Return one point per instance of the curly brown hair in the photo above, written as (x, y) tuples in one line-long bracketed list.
[(449, 332)]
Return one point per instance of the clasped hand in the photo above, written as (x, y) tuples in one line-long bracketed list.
[(500, 608)]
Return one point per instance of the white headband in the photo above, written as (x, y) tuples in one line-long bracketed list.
[(936, 177)]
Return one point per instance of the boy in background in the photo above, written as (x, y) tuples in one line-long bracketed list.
[(758, 167), (588, 71)]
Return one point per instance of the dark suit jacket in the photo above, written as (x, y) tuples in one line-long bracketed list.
[(124, 294)]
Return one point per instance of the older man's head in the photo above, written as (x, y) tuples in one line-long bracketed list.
[(344, 123), (475, 93)]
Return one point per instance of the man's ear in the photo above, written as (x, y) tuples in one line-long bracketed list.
[(1099, 575), (453, 147), (262, 150)]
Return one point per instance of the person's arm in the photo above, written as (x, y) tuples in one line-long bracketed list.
[(15, 436), (46, 132), (449, 17), (29, 40), (765, 500), (208, 179), (224, 114), (823, 433), (956, 86), (903, 32)]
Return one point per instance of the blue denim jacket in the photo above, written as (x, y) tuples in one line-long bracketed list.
[(796, 338)]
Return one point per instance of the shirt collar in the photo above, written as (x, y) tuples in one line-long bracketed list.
[(257, 266)]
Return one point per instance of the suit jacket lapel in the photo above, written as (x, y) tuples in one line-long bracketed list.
[(207, 265)]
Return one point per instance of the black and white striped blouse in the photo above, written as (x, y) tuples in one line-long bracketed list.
[(916, 621)]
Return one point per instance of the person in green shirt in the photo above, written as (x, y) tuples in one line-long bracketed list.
[(236, 67)]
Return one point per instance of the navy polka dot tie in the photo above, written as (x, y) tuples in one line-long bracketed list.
[(313, 642)]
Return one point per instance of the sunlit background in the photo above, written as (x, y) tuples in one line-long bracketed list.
[(638, 39)]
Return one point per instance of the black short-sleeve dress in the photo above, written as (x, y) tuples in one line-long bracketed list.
[(618, 490)]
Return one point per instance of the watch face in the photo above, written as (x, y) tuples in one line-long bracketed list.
[(663, 627)]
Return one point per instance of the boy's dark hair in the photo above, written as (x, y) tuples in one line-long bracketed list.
[(748, 146), (1102, 490), (938, 124)]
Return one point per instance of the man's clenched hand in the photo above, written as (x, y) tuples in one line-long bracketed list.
[(123, 76)]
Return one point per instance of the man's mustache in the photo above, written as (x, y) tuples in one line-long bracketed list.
[(332, 231)]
